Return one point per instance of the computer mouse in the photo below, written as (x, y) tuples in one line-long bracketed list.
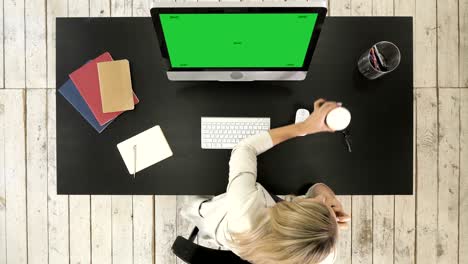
[(301, 115), (338, 118)]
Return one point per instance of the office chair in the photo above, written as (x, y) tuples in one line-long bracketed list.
[(192, 253)]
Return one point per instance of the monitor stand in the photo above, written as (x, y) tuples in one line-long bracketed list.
[(236, 75)]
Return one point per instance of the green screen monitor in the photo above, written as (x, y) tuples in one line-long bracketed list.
[(246, 43)]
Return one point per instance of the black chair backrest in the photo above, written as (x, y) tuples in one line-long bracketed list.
[(191, 253)]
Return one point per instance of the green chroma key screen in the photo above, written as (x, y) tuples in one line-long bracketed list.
[(237, 40)]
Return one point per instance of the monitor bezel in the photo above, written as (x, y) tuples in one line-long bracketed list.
[(156, 11)]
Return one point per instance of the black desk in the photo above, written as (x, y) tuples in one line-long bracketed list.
[(381, 127)]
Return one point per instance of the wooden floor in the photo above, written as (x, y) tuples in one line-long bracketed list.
[(37, 226)]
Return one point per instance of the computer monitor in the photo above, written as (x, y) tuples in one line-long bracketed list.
[(238, 41)]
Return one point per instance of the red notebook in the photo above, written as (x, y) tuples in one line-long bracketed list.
[(86, 80)]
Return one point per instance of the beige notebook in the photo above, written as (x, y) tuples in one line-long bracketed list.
[(116, 86)]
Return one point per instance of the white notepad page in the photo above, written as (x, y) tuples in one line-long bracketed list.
[(151, 147)]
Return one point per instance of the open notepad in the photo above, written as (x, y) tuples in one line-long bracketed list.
[(145, 149)]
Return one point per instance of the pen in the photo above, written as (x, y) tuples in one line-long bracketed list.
[(135, 158)]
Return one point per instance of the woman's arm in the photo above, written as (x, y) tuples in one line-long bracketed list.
[(242, 192), (243, 163), (315, 123)]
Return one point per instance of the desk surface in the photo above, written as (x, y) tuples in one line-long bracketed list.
[(381, 127)]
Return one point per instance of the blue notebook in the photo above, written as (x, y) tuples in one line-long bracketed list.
[(69, 91)]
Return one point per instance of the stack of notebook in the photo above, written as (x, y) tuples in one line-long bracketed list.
[(100, 90)]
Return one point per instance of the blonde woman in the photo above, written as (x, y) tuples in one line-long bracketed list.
[(257, 226)]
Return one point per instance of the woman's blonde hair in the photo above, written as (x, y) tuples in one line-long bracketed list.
[(301, 231)]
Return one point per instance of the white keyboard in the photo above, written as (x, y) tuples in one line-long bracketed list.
[(226, 132)]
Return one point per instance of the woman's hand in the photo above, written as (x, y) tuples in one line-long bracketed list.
[(315, 123), (322, 193), (342, 217)]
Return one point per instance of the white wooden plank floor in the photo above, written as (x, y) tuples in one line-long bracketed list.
[(38, 226)]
